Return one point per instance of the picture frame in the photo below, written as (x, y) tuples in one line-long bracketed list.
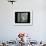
[(24, 18)]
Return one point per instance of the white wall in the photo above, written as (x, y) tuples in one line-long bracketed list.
[(9, 31)]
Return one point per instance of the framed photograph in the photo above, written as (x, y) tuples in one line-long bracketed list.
[(23, 18)]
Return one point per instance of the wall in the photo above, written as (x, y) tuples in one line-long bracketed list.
[(9, 31)]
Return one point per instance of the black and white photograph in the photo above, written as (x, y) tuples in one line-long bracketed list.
[(22, 17)]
